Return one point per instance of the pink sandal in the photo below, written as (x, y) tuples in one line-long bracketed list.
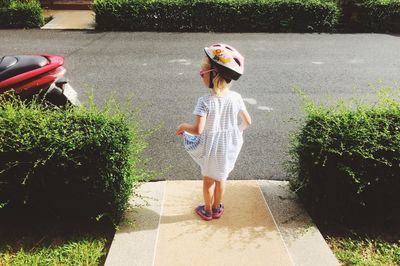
[(205, 215), (217, 212)]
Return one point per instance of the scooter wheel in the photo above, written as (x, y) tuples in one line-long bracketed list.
[(56, 97)]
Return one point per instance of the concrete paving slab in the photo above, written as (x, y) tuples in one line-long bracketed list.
[(70, 20), (305, 243), (135, 240), (264, 224), (245, 235)]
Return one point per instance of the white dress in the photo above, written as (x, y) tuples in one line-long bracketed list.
[(218, 147)]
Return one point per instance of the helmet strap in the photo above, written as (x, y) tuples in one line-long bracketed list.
[(211, 83)]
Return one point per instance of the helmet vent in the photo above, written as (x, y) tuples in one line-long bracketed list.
[(217, 45), (237, 61), (229, 48)]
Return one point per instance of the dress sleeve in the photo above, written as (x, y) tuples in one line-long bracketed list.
[(201, 108)]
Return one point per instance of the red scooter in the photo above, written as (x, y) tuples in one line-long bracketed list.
[(42, 75)]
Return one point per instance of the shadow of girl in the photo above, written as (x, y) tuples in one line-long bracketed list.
[(246, 220)]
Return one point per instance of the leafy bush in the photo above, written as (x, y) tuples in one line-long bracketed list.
[(346, 160), (217, 15), (371, 15), (381, 15), (5, 3), (17, 14), (78, 162)]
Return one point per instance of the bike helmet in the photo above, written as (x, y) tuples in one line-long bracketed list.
[(226, 59)]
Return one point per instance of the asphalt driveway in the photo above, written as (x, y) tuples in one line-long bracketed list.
[(160, 72)]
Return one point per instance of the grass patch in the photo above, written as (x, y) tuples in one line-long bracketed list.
[(54, 243), (365, 246), (82, 252)]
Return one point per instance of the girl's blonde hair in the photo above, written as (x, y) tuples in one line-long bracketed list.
[(219, 83)]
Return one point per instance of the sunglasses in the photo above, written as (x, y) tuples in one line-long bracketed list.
[(202, 72)]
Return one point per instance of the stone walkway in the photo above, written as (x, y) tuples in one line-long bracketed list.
[(70, 20), (263, 224)]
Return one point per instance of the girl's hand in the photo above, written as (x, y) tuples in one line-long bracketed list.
[(194, 129), (179, 130)]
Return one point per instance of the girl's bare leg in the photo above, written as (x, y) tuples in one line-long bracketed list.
[(218, 193), (208, 192)]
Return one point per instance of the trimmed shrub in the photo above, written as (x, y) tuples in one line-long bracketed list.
[(380, 15), (5, 3), (21, 14), (346, 161), (371, 15), (75, 162), (217, 15)]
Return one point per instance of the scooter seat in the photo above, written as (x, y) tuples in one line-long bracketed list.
[(14, 65)]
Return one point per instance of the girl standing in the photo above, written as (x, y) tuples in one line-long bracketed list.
[(215, 139)]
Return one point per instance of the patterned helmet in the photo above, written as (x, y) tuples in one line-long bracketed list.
[(226, 59)]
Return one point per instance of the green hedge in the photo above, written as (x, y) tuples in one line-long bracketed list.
[(18, 14), (346, 161), (217, 15), (380, 15), (5, 3), (371, 15), (77, 162)]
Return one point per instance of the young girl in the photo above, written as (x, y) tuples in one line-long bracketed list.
[(215, 139)]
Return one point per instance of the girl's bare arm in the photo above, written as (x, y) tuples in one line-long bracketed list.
[(246, 120), (195, 129)]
